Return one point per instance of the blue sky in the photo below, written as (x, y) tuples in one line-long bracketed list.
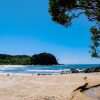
[(26, 28)]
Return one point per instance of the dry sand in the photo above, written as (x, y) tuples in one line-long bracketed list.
[(47, 87)]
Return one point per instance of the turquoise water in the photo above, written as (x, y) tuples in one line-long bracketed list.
[(54, 69)]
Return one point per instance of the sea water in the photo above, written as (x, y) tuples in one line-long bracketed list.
[(54, 69)]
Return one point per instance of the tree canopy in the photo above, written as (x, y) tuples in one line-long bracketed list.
[(37, 59), (64, 11), (14, 59), (44, 59)]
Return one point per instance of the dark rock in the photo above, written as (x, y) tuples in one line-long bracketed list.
[(89, 70), (74, 71)]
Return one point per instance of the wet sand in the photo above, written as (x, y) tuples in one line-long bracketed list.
[(94, 93), (46, 87)]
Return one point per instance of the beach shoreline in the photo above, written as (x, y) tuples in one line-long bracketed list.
[(45, 87), (48, 70)]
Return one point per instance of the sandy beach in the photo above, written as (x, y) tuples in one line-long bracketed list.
[(46, 87)]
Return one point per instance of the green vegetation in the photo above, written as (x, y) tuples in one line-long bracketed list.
[(64, 11), (43, 59), (37, 59), (14, 60)]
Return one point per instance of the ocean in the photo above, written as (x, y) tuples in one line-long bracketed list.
[(54, 69)]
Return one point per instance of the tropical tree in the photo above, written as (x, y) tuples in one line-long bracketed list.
[(64, 11)]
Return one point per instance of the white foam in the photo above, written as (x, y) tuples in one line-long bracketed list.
[(44, 70), (4, 67), (11, 69)]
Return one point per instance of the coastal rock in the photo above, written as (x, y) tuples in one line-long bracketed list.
[(89, 70), (74, 71)]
